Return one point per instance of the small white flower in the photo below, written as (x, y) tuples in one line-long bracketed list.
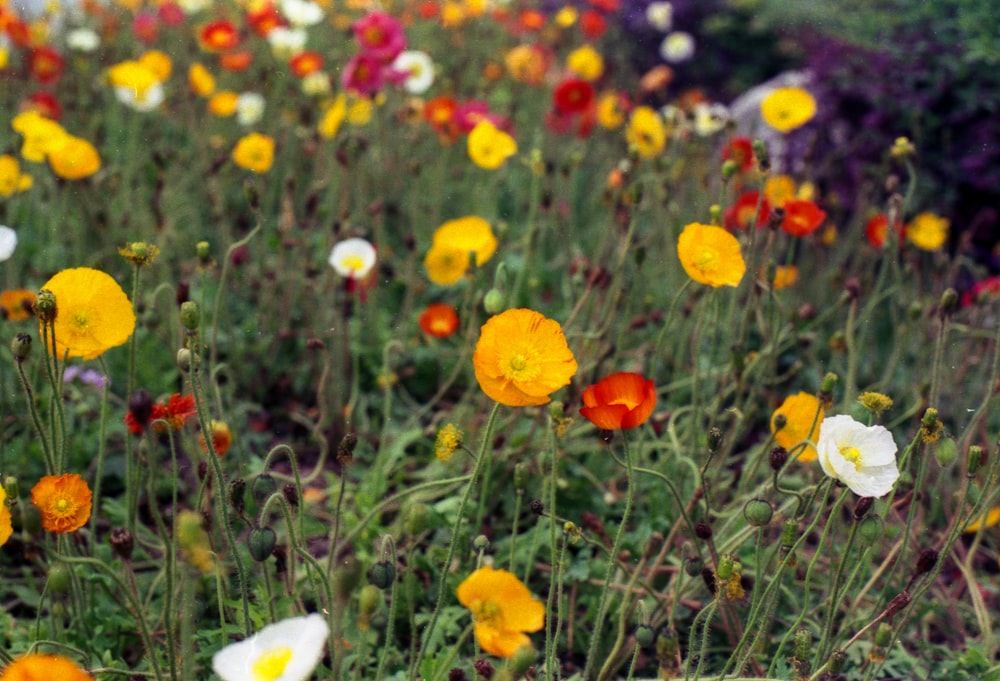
[(194, 6), (709, 118), (8, 242), (249, 108), (353, 258), (144, 101), (286, 42), (419, 69), (83, 40), (660, 15), (288, 650), (677, 47), (302, 12), (316, 84), (862, 457)]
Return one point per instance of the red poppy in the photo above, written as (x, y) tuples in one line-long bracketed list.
[(593, 24), (170, 13), (19, 32), (439, 320), (531, 20), (440, 113), (175, 412), (44, 103), (305, 63), (802, 217), (878, 227), (607, 6), (740, 150), (236, 61), (218, 36), (580, 125), (264, 19), (623, 400), (741, 213), (46, 64), (573, 96), (428, 9)]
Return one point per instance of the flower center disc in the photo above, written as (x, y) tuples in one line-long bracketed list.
[(851, 454), (271, 664)]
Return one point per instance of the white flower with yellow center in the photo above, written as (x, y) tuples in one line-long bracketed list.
[(862, 457), (249, 108), (285, 651), (302, 12), (353, 258), (418, 68), (677, 47)]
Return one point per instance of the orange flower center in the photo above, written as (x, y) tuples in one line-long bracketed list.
[(486, 612)]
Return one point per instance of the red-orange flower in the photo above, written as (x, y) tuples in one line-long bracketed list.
[(175, 412), (218, 36), (877, 229), (222, 438), (741, 213), (15, 304), (39, 666), (236, 61), (439, 320), (46, 64), (573, 96), (623, 400), (802, 217), (64, 501), (739, 150), (305, 63)]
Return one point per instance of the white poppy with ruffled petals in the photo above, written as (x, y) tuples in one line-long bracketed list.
[(862, 457), (353, 258), (288, 650)]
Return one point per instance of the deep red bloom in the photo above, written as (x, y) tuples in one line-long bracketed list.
[(802, 217), (218, 36), (623, 400), (44, 103), (878, 227), (439, 320), (46, 65), (593, 24), (175, 412), (364, 74), (573, 96), (305, 63), (986, 290), (170, 13), (607, 6), (740, 150), (740, 214)]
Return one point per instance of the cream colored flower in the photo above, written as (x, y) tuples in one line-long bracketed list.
[(353, 258), (286, 651), (862, 457)]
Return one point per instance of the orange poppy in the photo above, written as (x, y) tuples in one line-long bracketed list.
[(439, 320), (305, 63), (16, 304), (64, 501), (218, 36), (222, 438), (236, 61), (802, 217), (623, 400)]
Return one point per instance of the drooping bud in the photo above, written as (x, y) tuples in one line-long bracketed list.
[(382, 574), (870, 530), (758, 512), (948, 304), (703, 531), (262, 541), (20, 347), (861, 508), (263, 487), (803, 644), (345, 450), (122, 542), (238, 494), (779, 455), (493, 301)]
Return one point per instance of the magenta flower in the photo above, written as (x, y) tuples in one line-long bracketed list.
[(380, 36), (364, 75)]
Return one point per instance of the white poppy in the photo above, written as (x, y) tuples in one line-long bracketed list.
[(302, 12), (8, 242), (353, 258), (316, 84), (419, 70), (141, 100), (862, 457), (286, 42), (677, 47), (288, 650), (83, 40), (709, 118), (660, 15), (249, 108)]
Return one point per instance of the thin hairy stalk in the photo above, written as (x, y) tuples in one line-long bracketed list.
[(36, 421), (101, 448), (393, 601), (220, 292)]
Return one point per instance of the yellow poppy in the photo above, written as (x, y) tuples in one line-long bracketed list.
[(928, 231), (803, 414), (454, 241), (522, 357), (333, 117), (200, 80), (586, 62), (502, 609), (254, 152), (12, 180), (788, 108), (40, 134), (646, 132), (73, 158), (489, 146), (711, 255), (93, 313), (44, 666)]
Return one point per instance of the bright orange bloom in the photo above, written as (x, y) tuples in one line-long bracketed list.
[(74, 158), (222, 438), (64, 501), (784, 276), (439, 320), (236, 61), (175, 412), (16, 304), (43, 667), (803, 415), (522, 357), (218, 36), (623, 400), (802, 217), (305, 63), (6, 526), (502, 609), (877, 229), (531, 20), (254, 152)]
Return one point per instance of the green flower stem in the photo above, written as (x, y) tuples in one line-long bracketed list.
[(481, 462), (611, 662), (704, 620), (555, 603), (851, 348), (393, 603), (513, 532), (673, 491), (43, 440), (101, 448), (217, 305), (826, 640), (612, 563)]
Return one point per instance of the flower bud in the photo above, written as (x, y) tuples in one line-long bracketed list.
[(945, 452), (948, 304), (861, 508), (238, 494), (883, 634), (204, 251), (645, 635), (521, 662), (789, 533), (926, 562), (779, 455), (493, 301), (291, 493), (45, 306), (537, 507), (870, 530), (758, 512), (729, 169), (975, 459), (184, 360), (382, 574), (761, 153), (483, 668), (122, 542), (190, 315), (837, 660), (714, 213), (522, 474), (481, 542), (345, 450), (725, 569), (20, 347), (369, 599), (263, 487), (262, 541), (703, 531), (11, 488), (714, 439), (803, 644), (694, 565), (58, 578)]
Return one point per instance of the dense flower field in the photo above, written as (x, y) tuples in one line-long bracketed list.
[(448, 339)]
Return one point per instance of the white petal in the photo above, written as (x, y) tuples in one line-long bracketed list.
[(8, 242), (305, 636), (875, 481)]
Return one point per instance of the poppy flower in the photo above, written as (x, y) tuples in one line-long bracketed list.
[(877, 229), (200, 80), (711, 255), (94, 314), (502, 610), (288, 650), (236, 61), (623, 400), (6, 526), (522, 357), (531, 20), (43, 666), (218, 36), (353, 258), (586, 62), (646, 132), (739, 150), (740, 214), (73, 158), (262, 18), (802, 217), (363, 74), (489, 147), (380, 36), (12, 180), (64, 501), (305, 63), (15, 304), (528, 63), (46, 65), (440, 113), (573, 96), (254, 152), (928, 231), (439, 320), (222, 438), (788, 108), (784, 277), (223, 103), (593, 24), (802, 414), (453, 243), (178, 409), (44, 103), (862, 457)]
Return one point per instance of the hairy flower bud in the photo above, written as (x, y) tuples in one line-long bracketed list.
[(45, 306), (263, 486), (262, 541), (20, 347), (122, 542), (758, 512), (382, 574), (190, 315)]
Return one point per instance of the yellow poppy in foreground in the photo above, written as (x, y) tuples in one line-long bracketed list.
[(93, 313), (502, 608), (522, 357), (711, 255)]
